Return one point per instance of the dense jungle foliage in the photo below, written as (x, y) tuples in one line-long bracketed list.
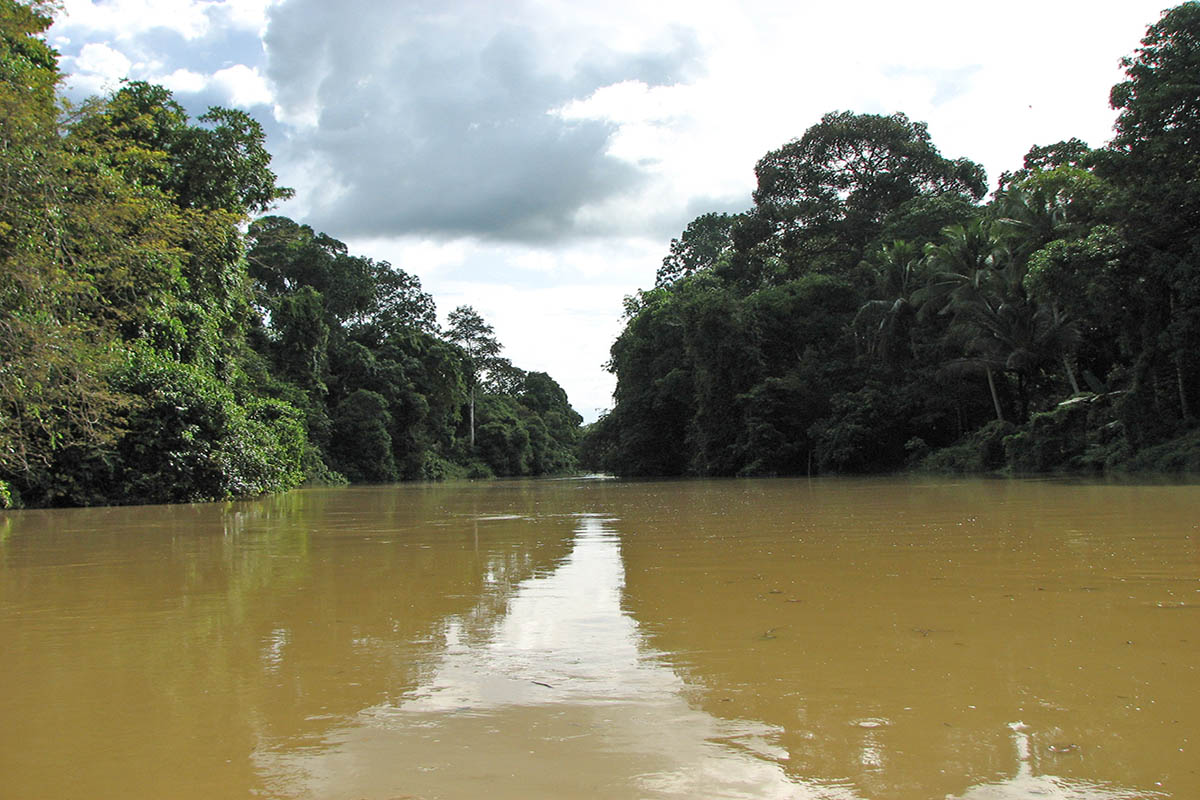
[(872, 312), (155, 349), (162, 341)]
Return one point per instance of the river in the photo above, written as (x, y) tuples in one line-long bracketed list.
[(840, 639)]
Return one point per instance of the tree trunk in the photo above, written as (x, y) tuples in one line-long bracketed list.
[(1070, 374), (995, 397), (471, 414), (1184, 407)]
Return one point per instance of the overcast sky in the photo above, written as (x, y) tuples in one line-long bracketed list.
[(534, 158)]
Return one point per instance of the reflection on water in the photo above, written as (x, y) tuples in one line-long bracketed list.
[(562, 638), (1025, 784), (848, 640), (560, 687)]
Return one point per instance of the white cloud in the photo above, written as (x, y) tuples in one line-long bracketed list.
[(125, 19), (248, 14), (629, 101), (191, 19), (184, 80), (245, 87), (99, 67)]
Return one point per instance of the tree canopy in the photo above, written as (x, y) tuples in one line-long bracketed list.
[(163, 337), (873, 311), (159, 344)]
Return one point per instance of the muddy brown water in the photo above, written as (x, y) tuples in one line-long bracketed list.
[(882, 639)]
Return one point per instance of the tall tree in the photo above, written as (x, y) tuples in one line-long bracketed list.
[(477, 339), (1155, 161), (827, 194), (285, 255), (704, 242), (885, 321), (55, 356)]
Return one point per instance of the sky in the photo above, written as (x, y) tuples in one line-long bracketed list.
[(534, 158)]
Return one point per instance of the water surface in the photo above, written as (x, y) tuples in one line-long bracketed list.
[(843, 639)]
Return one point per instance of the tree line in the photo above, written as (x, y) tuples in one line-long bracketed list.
[(161, 341), (874, 310)]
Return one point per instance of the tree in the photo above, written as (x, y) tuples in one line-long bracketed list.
[(1158, 105), (191, 438), (885, 321), (1154, 159), (362, 445), (55, 356), (284, 256), (400, 302), (301, 349), (1043, 158), (654, 398), (218, 164), (222, 164), (478, 342), (704, 242), (979, 279), (553, 425), (827, 194)]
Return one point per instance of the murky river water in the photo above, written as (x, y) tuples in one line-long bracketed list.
[(844, 639)]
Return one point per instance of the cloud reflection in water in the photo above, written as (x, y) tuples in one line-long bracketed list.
[(562, 697)]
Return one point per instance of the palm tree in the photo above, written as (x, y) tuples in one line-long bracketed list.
[(1036, 212), (964, 266), (979, 279), (886, 320), (1026, 220), (1019, 336)]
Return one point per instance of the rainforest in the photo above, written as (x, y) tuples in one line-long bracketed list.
[(876, 310), (164, 342), (165, 338)]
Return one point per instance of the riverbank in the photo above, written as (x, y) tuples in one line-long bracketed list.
[(1086, 434)]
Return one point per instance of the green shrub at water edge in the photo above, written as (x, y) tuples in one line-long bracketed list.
[(981, 451), (1181, 454), (190, 439)]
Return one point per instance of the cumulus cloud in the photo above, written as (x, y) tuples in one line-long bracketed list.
[(238, 86), (440, 119), (245, 87), (208, 52), (100, 67), (125, 19), (184, 80), (190, 19)]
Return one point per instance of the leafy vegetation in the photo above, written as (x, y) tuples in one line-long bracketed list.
[(872, 312), (160, 346), (162, 341)]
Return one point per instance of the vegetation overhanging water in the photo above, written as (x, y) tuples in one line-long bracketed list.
[(870, 312)]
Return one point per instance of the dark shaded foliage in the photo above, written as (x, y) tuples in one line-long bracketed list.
[(868, 313), (152, 352)]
